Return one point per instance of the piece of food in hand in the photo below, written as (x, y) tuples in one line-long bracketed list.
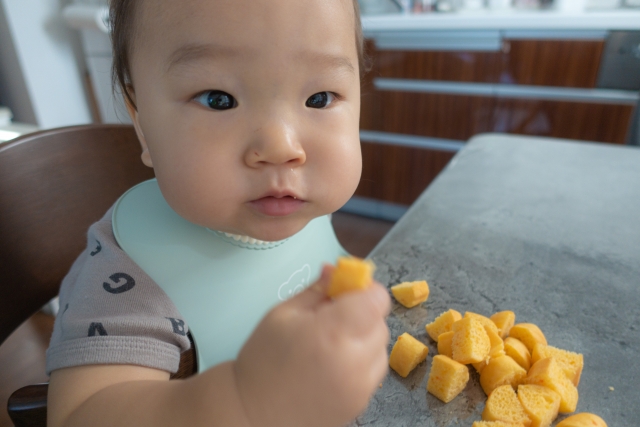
[(504, 320), (503, 405), (501, 370), (571, 363), (406, 354), (444, 344), (547, 373), (583, 419), (540, 403), (442, 324), (470, 343), (514, 348), (529, 334), (411, 294), (486, 322), (447, 378), (350, 274), (495, 424)]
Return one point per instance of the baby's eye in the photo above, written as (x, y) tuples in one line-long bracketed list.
[(216, 100), (320, 100)]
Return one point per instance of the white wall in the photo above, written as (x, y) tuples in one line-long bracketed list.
[(41, 76)]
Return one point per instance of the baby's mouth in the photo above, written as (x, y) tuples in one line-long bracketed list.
[(277, 206)]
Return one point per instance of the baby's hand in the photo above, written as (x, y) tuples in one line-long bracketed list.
[(314, 361)]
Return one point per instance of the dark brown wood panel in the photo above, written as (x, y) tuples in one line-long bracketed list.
[(571, 63), (398, 174), (426, 114), (478, 67), (369, 106), (574, 120)]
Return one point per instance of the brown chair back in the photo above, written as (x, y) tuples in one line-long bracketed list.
[(53, 185)]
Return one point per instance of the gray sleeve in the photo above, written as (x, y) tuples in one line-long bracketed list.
[(111, 312)]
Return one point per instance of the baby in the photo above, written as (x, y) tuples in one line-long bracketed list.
[(248, 112)]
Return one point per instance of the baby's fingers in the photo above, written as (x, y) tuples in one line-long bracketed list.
[(360, 311)]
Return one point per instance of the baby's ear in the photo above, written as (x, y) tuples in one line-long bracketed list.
[(133, 113)]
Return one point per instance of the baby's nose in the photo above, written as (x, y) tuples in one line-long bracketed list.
[(275, 144)]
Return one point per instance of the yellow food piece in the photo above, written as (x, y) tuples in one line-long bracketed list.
[(503, 405), (504, 320), (407, 352), (583, 419), (480, 365), (442, 324), (350, 274), (495, 424), (486, 322), (497, 349), (447, 378), (529, 334), (547, 373), (497, 345), (444, 344), (470, 343), (540, 403), (571, 363), (501, 370), (514, 348), (411, 294)]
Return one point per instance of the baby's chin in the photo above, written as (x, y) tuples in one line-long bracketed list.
[(270, 229), (274, 231)]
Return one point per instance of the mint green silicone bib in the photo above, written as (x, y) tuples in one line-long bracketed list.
[(222, 287)]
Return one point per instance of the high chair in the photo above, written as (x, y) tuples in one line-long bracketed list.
[(53, 185)]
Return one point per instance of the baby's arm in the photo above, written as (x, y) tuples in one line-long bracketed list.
[(310, 362), (126, 395)]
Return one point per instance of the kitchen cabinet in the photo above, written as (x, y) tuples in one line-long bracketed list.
[(535, 82)]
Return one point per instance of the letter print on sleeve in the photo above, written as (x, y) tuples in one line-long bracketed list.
[(116, 277), (97, 250), (178, 326), (96, 327)]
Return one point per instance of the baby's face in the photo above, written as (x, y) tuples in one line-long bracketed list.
[(248, 110)]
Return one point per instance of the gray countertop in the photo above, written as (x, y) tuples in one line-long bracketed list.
[(549, 229)]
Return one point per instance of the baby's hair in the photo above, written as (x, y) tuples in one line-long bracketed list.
[(122, 16)]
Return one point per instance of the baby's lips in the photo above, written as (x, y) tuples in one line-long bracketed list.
[(277, 206)]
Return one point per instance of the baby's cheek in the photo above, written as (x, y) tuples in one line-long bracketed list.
[(342, 174)]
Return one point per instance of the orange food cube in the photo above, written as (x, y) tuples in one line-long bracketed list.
[(470, 343), (547, 373), (406, 354), (411, 294), (571, 363), (496, 424), (583, 419), (442, 324), (503, 405), (517, 351), (501, 370), (504, 320), (486, 322), (350, 274), (540, 403), (444, 344), (497, 345), (447, 378), (529, 334)]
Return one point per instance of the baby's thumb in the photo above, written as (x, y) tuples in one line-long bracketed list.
[(316, 292)]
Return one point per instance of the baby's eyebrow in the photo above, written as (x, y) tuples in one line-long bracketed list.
[(328, 60), (196, 51)]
